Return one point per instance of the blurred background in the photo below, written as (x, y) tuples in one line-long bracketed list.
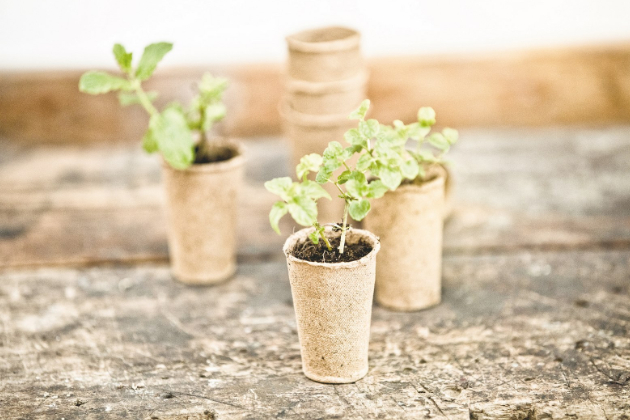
[(74, 34), (478, 63), (540, 91)]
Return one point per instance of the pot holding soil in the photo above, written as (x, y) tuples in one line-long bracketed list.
[(333, 306), (201, 206), (409, 224), (324, 54), (327, 97)]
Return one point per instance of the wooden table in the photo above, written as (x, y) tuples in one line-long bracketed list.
[(534, 324)]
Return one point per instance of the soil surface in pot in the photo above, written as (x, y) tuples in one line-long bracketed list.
[(214, 154), (308, 251)]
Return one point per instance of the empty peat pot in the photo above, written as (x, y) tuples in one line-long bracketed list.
[(201, 207), (409, 223), (338, 97), (324, 54), (333, 309)]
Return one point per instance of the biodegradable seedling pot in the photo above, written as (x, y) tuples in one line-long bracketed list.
[(409, 224), (339, 97), (333, 308), (324, 54), (201, 214)]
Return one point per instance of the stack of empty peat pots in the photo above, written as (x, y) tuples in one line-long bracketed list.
[(326, 81)]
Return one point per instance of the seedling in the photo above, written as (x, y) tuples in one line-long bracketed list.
[(179, 134), (383, 162)]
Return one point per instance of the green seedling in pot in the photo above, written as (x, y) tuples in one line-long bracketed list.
[(178, 133), (382, 163)]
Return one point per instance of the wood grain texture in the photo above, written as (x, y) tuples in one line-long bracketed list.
[(589, 85), (524, 336), (545, 189)]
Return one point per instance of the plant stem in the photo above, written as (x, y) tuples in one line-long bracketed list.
[(202, 146), (144, 99), (340, 190), (321, 234), (344, 228)]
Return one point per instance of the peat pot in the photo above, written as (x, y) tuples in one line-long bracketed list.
[(409, 223), (339, 97), (201, 215), (333, 308), (324, 54)]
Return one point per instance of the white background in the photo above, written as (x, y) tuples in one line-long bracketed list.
[(61, 34)]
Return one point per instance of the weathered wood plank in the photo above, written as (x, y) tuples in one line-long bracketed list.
[(557, 86), (552, 188), (520, 336)]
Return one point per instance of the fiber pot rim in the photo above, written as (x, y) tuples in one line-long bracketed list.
[(303, 234), (309, 120), (215, 167), (438, 181), (318, 88), (343, 38)]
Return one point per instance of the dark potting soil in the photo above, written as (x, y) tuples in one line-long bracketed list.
[(214, 154), (308, 251)]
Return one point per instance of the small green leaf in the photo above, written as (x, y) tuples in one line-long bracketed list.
[(313, 190), (213, 113), (173, 137), (314, 237), (279, 186), (308, 163), (123, 58), (303, 210), (359, 209), (151, 56), (355, 138), (278, 210), (417, 132), (333, 150), (438, 140), (211, 88), (323, 175), (391, 177), (130, 98), (409, 169), (376, 189), (364, 162), (356, 189), (451, 135), (426, 116), (149, 144), (359, 113), (97, 82), (369, 128), (343, 177)]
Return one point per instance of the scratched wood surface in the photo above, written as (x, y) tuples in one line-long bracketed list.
[(534, 322)]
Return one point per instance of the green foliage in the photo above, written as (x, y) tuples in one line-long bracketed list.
[(308, 163), (359, 113), (123, 58), (151, 56), (173, 137), (382, 164), (97, 82), (170, 131), (207, 107), (297, 198), (130, 98)]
